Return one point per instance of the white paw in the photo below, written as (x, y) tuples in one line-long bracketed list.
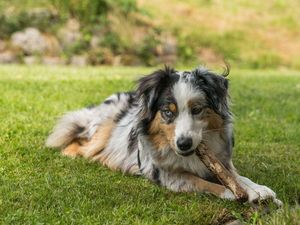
[(278, 202), (259, 193), (227, 194)]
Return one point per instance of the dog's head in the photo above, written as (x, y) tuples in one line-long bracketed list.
[(177, 107)]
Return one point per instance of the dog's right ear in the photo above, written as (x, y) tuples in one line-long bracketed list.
[(150, 87)]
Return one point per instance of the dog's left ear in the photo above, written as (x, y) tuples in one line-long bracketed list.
[(225, 74), (150, 87), (215, 87)]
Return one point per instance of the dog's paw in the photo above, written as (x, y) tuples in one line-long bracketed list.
[(227, 194), (278, 202), (259, 193)]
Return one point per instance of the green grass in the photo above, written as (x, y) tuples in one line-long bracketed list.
[(39, 186)]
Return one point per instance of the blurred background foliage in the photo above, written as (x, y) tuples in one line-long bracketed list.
[(251, 34)]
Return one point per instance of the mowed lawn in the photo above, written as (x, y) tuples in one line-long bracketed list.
[(39, 186)]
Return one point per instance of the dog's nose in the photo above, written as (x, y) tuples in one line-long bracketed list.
[(184, 143)]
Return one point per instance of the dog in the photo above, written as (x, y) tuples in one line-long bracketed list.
[(154, 131)]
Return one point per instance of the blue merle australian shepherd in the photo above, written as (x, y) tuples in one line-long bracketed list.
[(154, 131)]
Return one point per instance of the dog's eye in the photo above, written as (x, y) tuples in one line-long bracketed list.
[(196, 110), (168, 113)]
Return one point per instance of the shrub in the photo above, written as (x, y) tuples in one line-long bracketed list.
[(112, 41), (91, 11), (146, 51), (264, 60), (39, 18), (186, 52)]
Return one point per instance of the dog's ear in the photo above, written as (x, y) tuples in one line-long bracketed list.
[(150, 87), (216, 89), (225, 74)]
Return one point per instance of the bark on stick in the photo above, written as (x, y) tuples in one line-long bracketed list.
[(223, 175)]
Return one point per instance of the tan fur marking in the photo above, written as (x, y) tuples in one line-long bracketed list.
[(173, 108), (191, 103), (99, 140), (161, 134), (72, 150), (213, 119), (205, 186)]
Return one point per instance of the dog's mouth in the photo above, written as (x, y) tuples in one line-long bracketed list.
[(186, 153)]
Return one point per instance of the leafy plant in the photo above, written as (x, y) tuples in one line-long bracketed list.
[(91, 11)]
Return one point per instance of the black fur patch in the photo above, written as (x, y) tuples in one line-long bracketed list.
[(108, 101), (91, 106), (138, 158), (118, 96), (79, 129), (121, 115), (130, 103), (132, 140), (155, 175)]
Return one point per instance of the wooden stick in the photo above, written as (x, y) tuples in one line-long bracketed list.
[(223, 175)]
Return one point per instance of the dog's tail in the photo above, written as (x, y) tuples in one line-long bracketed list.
[(71, 126)]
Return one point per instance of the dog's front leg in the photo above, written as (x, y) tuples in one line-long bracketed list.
[(186, 182)]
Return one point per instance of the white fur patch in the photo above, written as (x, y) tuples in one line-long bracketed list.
[(183, 92), (185, 124)]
